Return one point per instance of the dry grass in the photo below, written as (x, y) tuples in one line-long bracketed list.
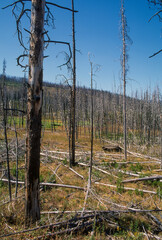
[(101, 197)]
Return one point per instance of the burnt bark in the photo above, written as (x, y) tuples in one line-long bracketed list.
[(34, 111), (91, 160), (4, 113), (124, 78), (73, 96)]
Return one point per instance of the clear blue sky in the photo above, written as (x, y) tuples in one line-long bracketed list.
[(98, 32)]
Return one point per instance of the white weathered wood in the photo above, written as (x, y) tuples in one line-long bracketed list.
[(54, 172), (79, 175), (48, 184), (101, 170), (58, 158), (136, 154), (126, 188), (142, 179), (101, 211), (127, 173)]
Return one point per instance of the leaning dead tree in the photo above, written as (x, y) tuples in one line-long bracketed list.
[(39, 17)]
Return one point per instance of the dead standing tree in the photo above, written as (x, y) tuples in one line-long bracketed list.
[(4, 112), (34, 95), (94, 69), (34, 111), (124, 59), (158, 4), (73, 98), (91, 160)]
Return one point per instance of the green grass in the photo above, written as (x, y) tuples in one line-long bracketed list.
[(21, 173), (48, 123), (136, 167)]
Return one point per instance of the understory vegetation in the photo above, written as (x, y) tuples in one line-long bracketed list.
[(113, 208)]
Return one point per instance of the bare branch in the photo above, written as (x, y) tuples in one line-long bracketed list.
[(18, 18), (14, 3), (18, 60), (66, 80), (47, 44), (18, 21), (14, 109), (156, 14), (49, 17), (56, 5), (66, 43), (155, 2), (67, 63), (156, 53), (27, 31)]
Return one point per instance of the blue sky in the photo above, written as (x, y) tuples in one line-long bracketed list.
[(97, 32)]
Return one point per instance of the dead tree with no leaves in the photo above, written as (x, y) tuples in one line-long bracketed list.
[(73, 95), (34, 110), (34, 95), (4, 112), (94, 68), (124, 72)]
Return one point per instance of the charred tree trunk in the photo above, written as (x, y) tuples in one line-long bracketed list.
[(17, 153), (124, 79), (23, 99), (91, 160), (34, 111), (4, 112), (73, 102), (161, 138), (91, 120), (70, 128)]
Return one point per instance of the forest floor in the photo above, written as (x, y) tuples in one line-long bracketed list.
[(110, 209)]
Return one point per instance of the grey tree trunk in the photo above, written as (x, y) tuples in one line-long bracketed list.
[(4, 112), (17, 153), (124, 80), (73, 99), (91, 160), (34, 110), (161, 137)]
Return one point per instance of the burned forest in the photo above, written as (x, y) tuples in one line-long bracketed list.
[(77, 161)]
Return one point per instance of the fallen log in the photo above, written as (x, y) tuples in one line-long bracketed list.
[(126, 188), (135, 154), (99, 169), (155, 220), (58, 158), (103, 211), (142, 179), (47, 184), (151, 236), (112, 148), (127, 173), (51, 226)]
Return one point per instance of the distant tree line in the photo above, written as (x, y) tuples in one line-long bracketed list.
[(143, 111)]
